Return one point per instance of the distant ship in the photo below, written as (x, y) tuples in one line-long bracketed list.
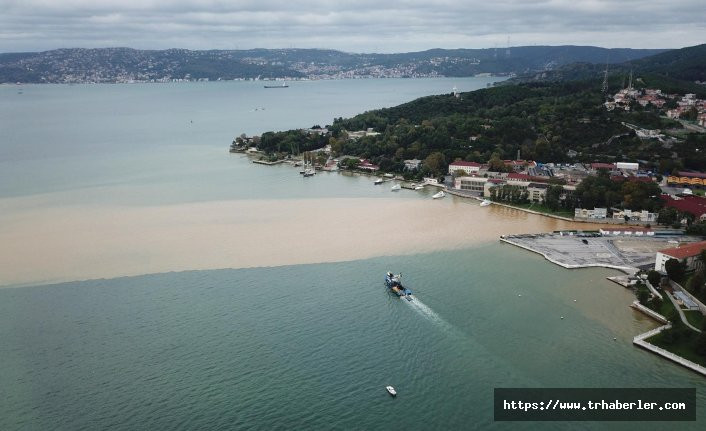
[(284, 85)]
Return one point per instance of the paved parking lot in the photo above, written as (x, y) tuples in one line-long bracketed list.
[(575, 252)]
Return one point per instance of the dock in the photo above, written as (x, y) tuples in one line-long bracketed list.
[(264, 162)]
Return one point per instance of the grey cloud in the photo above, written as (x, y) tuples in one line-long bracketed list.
[(361, 26)]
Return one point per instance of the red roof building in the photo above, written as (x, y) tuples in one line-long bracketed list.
[(695, 205), (596, 166), (462, 163), (689, 254), (685, 251)]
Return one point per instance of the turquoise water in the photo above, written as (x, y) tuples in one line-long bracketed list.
[(313, 346), (287, 347)]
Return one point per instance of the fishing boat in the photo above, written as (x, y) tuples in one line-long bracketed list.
[(390, 390), (439, 195), (394, 283), (378, 181), (485, 203), (395, 187)]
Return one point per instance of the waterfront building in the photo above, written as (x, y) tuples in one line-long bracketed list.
[(641, 216), (367, 166), (474, 184), (596, 213), (689, 254), (468, 167), (537, 192)]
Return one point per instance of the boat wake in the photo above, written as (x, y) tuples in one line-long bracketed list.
[(427, 312)]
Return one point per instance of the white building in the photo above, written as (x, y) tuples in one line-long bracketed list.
[(689, 253), (624, 166), (468, 167), (474, 184), (596, 213), (412, 164), (643, 216)]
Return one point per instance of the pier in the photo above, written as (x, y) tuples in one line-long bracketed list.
[(264, 162)]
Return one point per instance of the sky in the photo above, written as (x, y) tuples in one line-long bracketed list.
[(353, 26)]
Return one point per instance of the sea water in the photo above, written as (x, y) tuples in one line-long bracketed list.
[(274, 346)]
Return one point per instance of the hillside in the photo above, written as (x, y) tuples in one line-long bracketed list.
[(126, 65), (673, 70), (547, 121)]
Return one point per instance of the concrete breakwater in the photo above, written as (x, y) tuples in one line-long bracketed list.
[(640, 340), (570, 252)]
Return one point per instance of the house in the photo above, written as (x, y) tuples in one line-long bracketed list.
[(412, 164), (688, 253), (596, 213), (537, 192), (468, 167), (642, 216), (367, 166), (517, 177)]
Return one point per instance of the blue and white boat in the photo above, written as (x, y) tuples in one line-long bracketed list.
[(394, 283)]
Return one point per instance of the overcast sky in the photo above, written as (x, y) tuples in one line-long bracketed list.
[(354, 26)]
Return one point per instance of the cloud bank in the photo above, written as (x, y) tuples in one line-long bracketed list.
[(355, 26)]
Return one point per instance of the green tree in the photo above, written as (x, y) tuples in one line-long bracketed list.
[(642, 294), (675, 269), (435, 162), (696, 283), (654, 278)]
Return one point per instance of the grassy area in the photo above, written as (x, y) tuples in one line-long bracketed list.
[(665, 307), (684, 346), (542, 209), (695, 318)]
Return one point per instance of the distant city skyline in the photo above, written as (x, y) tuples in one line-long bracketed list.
[(360, 26)]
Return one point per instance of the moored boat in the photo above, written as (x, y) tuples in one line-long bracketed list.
[(378, 181), (390, 390), (485, 203), (395, 187), (439, 195), (394, 283)]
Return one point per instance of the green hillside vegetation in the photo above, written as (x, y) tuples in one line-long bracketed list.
[(672, 71), (542, 120)]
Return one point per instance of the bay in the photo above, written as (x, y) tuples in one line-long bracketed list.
[(102, 181)]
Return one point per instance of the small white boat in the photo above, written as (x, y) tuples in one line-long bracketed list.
[(439, 195), (391, 391), (395, 187), (418, 187), (485, 203), (378, 181)]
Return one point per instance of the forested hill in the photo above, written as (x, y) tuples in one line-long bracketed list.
[(679, 67), (126, 64), (547, 122)]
